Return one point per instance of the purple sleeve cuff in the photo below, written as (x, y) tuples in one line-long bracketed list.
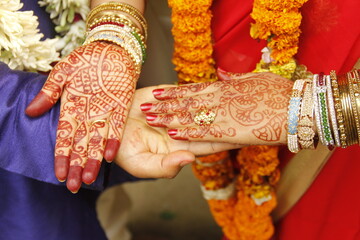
[(27, 144)]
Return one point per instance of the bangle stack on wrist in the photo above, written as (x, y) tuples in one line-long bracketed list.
[(329, 108), (112, 22)]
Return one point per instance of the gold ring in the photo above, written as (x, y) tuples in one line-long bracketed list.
[(98, 121), (204, 117)]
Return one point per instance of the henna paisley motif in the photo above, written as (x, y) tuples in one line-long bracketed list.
[(254, 104), (272, 130), (243, 110), (96, 82)]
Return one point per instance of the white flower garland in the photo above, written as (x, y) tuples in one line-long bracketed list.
[(21, 46)]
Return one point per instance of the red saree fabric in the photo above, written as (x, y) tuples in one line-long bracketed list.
[(330, 209)]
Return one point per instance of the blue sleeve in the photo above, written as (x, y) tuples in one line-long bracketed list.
[(27, 144)]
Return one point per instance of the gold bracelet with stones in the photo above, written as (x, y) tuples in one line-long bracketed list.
[(306, 133), (354, 98), (338, 109)]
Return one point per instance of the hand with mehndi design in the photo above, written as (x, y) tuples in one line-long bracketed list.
[(149, 152), (249, 109), (96, 83)]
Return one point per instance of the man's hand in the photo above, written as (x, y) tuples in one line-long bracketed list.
[(149, 152)]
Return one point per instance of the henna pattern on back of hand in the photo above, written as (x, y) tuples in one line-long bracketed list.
[(251, 109)]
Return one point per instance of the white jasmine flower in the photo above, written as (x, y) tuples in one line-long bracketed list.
[(20, 41), (63, 11), (72, 39)]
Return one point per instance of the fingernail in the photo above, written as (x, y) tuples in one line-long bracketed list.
[(172, 132), (145, 107), (222, 74), (158, 92), (73, 182), (111, 148), (40, 104), (61, 167), (179, 138), (150, 117), (91, 171)]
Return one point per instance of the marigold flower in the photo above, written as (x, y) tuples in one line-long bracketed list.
[(246, 215)]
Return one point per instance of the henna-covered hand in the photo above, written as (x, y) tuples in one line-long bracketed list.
[(96, 83), (149, 152), (250, 109)]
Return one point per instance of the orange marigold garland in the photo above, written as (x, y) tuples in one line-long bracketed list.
[(240, 198), (278, 22), (192, 40)]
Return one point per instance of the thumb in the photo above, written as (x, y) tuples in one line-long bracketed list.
[(44, 100), (173, 162), (159, 165)]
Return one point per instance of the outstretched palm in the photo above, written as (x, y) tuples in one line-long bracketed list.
[(96, 83)]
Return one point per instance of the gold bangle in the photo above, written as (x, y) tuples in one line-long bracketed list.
[(332, 112), (338, 108), (120, 19), (121, 7), (349, 119), (117, 6), (352, 78), (357, 89)]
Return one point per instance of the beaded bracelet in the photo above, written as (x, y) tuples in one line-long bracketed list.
[(306, 133), (115, 18), (316, 108), (293, 116), (332, 111), (323, 110), (125, 30), (356, 87), (118, 40), (129, 40), (338, 109)]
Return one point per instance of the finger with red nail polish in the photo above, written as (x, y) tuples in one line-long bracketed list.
[(175, 120), (198, 133), (223, 75), (64, 141), (175, 134), (150, 117), (146, 107), (157, 93), (111, 149), (187, 90), (62, 164), (74, 180), (96, 145)]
